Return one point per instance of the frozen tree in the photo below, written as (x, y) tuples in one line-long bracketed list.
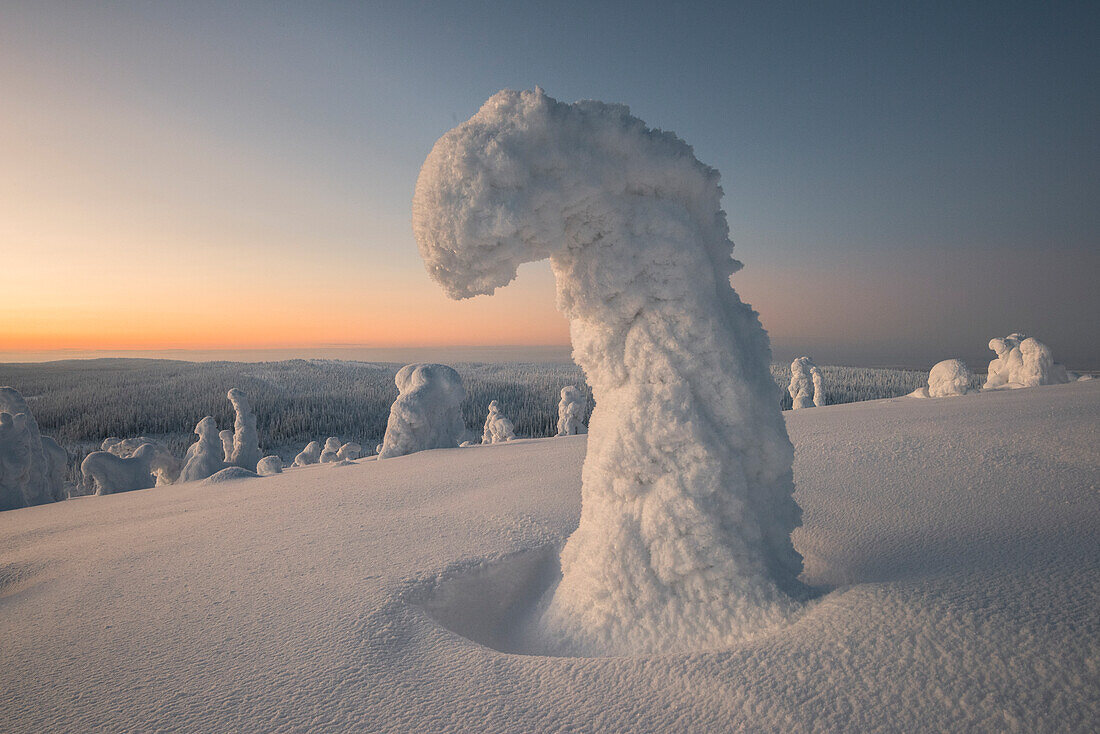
[(57, 461), (819, 386), (802, 383), (497, 426), (166, 467), (227, 444), (426, 414), (206, 456), (269, 465), (349, 452), (1023, 362), (949, 377), (27, 476), (330, 451), (687, 509), (246, 440), (309, 455), (106, 473), (571, 409)]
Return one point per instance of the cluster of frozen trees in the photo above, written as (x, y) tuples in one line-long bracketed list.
[(807, 387), (32, 466), (331, 452), (1021, 362), (684, 537)]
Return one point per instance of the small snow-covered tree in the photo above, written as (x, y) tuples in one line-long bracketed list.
[(246, 441), (205, 457), (226, 437), (497, 427), (571, 410), (106, 473), (309, 455), (269, 465), (331, 450), (684, 539), (166, 467), (802, 387), (349, 452), (426, 414)]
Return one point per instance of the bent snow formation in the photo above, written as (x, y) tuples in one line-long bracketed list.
[(687, 509), (426, 414)]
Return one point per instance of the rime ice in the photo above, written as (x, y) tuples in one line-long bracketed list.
[(684, 538), (426, 414)]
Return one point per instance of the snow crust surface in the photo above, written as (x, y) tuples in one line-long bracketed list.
[(957, 541), (684, 541)]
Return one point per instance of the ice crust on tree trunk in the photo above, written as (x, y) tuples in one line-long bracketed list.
[(687, 509)]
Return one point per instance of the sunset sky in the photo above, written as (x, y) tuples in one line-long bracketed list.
[(902, 184)]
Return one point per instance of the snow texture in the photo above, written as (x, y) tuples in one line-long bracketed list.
[(957, 537), (206, 456), (497, 426), (103, 472), (684, 539), (948, 378), (805, 377), (426, 414), (28, 475), (309, 455), (331, 450), (230, 474), (349, 452), (571, 409), (269, 465), (246, 440)]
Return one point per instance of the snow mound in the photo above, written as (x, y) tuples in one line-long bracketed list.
[(684, 539), (949, 378), (571, 410), (426, 414), (269, 465), (230, 474)]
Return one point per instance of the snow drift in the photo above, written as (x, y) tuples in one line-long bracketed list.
[(28, 470), (571, 410), (497, 427), (426, 414), (684, 538)]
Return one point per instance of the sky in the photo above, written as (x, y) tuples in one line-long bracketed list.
[(903, 181)]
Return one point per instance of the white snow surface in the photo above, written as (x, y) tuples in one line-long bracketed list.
[(684, 542), (427, 412), (957, 541)]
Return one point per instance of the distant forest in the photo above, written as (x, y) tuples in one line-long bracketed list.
[(81, 402)]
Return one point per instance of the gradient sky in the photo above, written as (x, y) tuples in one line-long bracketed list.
[(903, 181)]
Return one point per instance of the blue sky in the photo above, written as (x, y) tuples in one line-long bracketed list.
[(903, 181)]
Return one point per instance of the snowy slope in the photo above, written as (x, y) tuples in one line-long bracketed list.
[(957, 541)]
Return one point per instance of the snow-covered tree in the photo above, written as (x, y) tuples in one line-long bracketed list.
[(165, 466), (571, 410), (802, 383), (246, 440), (948, 378), (269, 465), (330, 451), (349, 452), (1023, 362), (107, 473), (27, 473), (309, 455), (497, 427), (426, 414), (684, 537), (205, 457)]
